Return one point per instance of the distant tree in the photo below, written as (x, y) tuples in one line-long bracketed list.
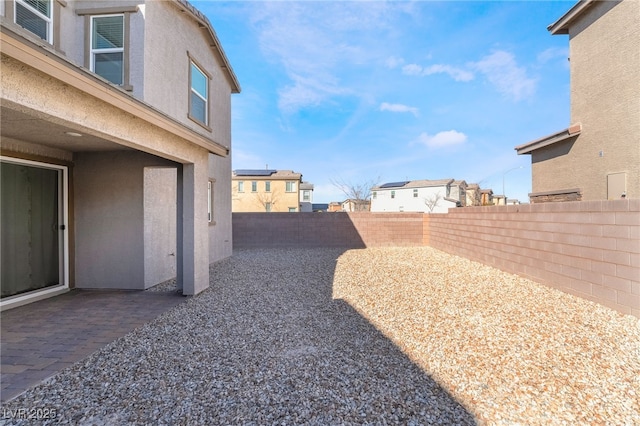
[(268, 200), (432, 201), (359, 192)]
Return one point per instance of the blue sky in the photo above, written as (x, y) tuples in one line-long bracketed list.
[(391, 91)]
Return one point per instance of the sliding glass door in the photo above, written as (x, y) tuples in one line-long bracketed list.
[(33, 217)]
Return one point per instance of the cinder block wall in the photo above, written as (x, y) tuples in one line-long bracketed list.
[(590, 249), (349, 230)]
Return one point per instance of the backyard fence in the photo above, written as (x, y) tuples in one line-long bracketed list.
[(590, 249)]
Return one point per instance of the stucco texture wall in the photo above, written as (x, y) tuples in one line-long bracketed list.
[(110, 219), (605, 98)]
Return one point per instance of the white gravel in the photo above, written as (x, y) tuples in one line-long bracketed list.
[(374, 336)]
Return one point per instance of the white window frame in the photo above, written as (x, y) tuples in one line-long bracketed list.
[(241, 186), (267, 207), (47, 19), (306, 195), (290, 186), (254, 186), (415, 193), (92, 51), (193, 91), (267, 186)]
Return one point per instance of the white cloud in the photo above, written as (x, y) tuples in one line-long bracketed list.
[(394, 62), (398, 108), (503, 72), (457, 74), (442, 139), (316, 46)]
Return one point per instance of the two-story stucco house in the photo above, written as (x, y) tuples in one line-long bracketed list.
[(598, 156), (430, 196), (115, 150), (268, 190), (306, 197)]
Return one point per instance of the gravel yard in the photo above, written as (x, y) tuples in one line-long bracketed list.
[(373, 336)]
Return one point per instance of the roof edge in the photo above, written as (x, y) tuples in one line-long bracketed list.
[(561, 26), (204, 21), (571, 131)]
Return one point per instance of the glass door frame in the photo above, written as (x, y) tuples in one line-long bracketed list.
[(63, 241)]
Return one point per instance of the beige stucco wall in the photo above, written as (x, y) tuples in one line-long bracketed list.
[(110, 219), (167, 69), (248, 201), (605, 98), (220, 231)]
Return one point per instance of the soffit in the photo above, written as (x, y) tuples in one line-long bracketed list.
[(29, 128)]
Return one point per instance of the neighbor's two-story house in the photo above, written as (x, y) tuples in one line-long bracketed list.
[(306, 197), (598, 156), (268, 190), (115, 149), (429, 196)]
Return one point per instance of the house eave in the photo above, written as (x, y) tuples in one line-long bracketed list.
[(560, 136), (44, 58), (561, 26)]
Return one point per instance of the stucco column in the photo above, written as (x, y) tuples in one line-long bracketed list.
[(192, 266)]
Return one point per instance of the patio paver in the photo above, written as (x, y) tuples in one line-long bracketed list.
[(42, 338)]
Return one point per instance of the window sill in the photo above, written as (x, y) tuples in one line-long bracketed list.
[(200, 123)]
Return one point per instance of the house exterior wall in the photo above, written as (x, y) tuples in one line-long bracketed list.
[(405, 201), (51, 86), (250, 201), (110, 229), (167, 69), (220, 230), (160, 225), (605, 98)]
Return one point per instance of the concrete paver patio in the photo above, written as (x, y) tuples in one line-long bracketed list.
[(40, 339)]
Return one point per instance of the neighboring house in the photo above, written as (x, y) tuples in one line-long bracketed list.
[(267, 190), (306, 197), (116, 135), (334, 206), (351, 205), (473, 195), (486, 197), (597, 157), (430, 196)]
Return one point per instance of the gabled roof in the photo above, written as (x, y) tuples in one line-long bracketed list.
[(561, 26), (560, 136), (270, 173), (415, 184), (203, 22), (254, 172)]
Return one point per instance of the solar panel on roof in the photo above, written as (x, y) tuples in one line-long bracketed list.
[(394, 184), (261, 172)]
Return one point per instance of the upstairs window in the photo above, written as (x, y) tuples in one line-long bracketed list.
[(415, 193), (35, 16), (254, 186), (240, 186), (306, 195), (267, 186), (393, 194), (107, 47), (199, 95), (290, 187)]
